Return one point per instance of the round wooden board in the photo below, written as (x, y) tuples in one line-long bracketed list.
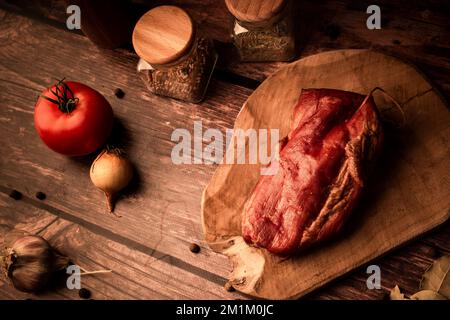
[(409, 193)]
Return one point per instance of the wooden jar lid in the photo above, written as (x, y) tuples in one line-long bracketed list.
[(163, 35), (254, 10)]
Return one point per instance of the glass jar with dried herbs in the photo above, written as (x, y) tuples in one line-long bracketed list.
[(175, 60), (263, 30)]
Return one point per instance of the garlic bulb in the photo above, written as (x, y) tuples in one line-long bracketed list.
[(29, 262)]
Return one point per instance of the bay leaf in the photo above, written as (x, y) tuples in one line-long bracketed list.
[(396, 294), (437, 277), (427, 295)]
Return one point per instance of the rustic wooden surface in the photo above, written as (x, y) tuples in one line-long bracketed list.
[(398, 203), (148, 247)]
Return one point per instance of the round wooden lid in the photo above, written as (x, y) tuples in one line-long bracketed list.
[(254, 10), (163, 35)]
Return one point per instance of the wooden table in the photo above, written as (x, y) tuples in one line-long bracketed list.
[(148, 248)]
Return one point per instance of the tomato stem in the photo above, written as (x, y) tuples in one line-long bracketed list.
[(66, 101)]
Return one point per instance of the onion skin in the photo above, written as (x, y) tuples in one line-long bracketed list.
[(111, 172)]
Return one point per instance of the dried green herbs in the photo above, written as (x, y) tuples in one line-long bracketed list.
[(186, 79), (273, 43)]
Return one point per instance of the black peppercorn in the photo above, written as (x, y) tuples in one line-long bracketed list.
[(333, 31), (40, 195), (195, 248), (119, 93), (84, 293), (16, 195)]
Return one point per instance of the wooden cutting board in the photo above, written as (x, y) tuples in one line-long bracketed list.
[(408, 195)]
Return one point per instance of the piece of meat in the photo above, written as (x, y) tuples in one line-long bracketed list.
[(321, 172)]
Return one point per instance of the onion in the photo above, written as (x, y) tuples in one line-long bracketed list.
[(111, 172)]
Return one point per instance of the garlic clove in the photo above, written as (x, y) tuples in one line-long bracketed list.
[(30, 263)]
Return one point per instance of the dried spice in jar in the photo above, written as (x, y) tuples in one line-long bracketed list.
[(175, 60), (263, 30)]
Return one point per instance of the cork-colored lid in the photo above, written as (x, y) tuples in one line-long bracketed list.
[(254, 10), (163, 35)]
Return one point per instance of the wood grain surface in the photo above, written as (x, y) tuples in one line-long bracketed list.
[(161, 208), (409, 194), (254, 11), (163, 34)]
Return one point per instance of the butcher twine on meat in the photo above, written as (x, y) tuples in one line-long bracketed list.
[(334, 137)]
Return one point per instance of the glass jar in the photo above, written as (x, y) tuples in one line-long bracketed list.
[(175, 60), (263, 30)]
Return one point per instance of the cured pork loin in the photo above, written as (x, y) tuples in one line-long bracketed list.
[(319, 174)]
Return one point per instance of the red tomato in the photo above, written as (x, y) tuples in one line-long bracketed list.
[(72, 118)]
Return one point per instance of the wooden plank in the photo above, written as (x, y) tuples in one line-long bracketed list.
[(215, 24), (403, 267), (135, 274), (411, 30), (162, 211), (439, 240), (420, 36)]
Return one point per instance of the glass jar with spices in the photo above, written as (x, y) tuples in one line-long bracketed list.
[(263, 30), (175, 60)]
